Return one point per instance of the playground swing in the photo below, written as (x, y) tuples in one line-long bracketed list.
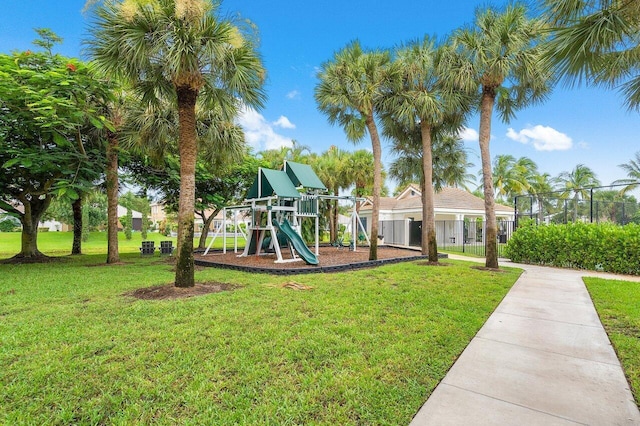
[(276, 209)]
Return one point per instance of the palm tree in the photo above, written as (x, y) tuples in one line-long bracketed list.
[(421, 98), (296, 152), (501, 60), (540, 187), (178, 50), (597, 41), (450, 163), (152, 132), (333, 170), (360, 172), (578, 183), (632, 167), (350, 91), (116, 113), (512, 177), (502, 173)]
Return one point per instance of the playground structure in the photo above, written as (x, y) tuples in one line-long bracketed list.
[(276, 204)]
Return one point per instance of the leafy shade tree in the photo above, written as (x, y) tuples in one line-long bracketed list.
[(577, 184), (45, 104), (94, 209), (632, 167), (216, 187), (422, 97), (181, 51), (502, 60), (598, 41), (135, 202), (352, 86)]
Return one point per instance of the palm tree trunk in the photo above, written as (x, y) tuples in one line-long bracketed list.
[(491, 227), (76, 207), (377, 185), (429, 242), (335, 214), (359, 191), (332, 228), (188, 151), (540, 210), (113, 256)]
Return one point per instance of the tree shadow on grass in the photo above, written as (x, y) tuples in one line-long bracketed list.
[(23, 260)]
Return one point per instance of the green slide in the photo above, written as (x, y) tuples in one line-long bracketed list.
[(297, 242)]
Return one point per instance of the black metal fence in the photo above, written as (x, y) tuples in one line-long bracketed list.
[(463, 236), (595, 205)]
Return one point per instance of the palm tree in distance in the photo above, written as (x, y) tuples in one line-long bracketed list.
[(333, 170), (297, 152), (360, 172), (540, 187), (632, 167), (578, 183), (450, 164), (178, 50), (598, 41), (512, 177), (502, 60), (351, 87)]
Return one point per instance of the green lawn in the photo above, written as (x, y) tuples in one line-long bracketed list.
[(364, 347), (59, 243), (618, 305)]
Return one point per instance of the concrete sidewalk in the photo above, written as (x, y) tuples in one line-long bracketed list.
[(542, 358)]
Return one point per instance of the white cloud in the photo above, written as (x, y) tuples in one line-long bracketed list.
[(259, 133), (284, 123), (469, 135), (543, 138), (294, 94)]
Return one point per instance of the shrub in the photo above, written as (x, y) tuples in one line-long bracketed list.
[(127, 224), (603, 247), (9, 224)]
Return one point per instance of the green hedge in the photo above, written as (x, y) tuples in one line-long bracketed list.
[(599, 247)]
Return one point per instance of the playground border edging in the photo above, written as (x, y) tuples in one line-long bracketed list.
[(314, 269)]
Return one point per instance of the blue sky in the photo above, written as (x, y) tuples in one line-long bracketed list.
[(575, 125)]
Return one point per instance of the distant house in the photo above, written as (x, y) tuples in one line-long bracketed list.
[(452, 207), (48, 225), (158, 214), (137, 218)]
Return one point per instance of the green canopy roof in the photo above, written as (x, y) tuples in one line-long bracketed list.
[(303, 175), (272, 182)]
